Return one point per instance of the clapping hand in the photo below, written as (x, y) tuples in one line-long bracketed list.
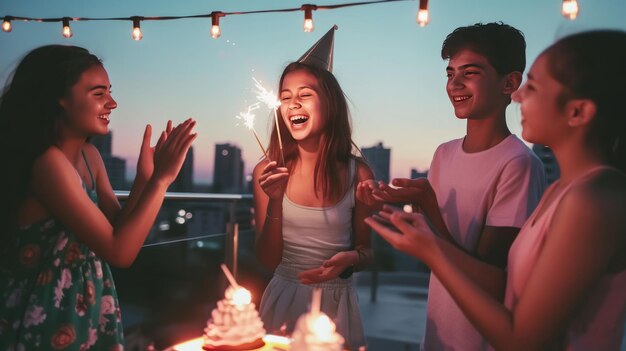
[(364, 193), (145, 163), (406, 232), (171, 150)]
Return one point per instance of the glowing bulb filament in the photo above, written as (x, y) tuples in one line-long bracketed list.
[(6, 25), (67, 31), (570, 9), (423, 16), (137, 33), (308, 17), (216, 32), (308, 25)]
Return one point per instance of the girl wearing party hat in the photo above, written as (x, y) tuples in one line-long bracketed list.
[(310, 227)]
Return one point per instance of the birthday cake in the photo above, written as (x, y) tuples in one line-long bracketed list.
[(316, 332), (234, 324)]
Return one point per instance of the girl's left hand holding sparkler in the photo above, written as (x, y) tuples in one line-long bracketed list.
[(273, 181)]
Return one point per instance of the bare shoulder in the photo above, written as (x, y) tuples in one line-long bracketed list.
[(92, 152), (363, 170), (600, 199), (49, 160), (605, 189), (52, 169)]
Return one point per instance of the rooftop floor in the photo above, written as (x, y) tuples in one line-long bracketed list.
[(396, 320)]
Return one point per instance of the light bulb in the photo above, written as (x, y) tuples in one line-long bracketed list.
[(137, 33), (216, 31), (570, 9), (423, 17), (308, 17), (67, 31), (6, 25)]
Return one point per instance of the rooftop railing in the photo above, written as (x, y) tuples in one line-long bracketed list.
[(232, 227)]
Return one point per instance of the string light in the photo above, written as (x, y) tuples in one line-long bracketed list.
[(215, 15), (423, 17), (67, 31), (6, 24), (569, 9), (308, 17), (137, 33), (216, 32)]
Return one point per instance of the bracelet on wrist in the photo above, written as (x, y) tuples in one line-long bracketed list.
[(274, 218)]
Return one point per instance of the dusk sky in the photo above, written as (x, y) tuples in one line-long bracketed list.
[(388, 66)]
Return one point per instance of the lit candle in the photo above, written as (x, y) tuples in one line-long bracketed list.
[(316, 301), (323, 328), (241, 297)]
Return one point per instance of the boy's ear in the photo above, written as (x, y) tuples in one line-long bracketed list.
[(580, 112), (512, 82)]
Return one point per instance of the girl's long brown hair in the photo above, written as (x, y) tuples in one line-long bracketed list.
[(337, 145)]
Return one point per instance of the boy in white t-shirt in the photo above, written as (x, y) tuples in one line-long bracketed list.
[(482, 187)]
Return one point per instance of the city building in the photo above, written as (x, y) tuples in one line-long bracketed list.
[(378, 157), (417, 174), (184, 181), (551, 167), (228, 176), (115, 166)]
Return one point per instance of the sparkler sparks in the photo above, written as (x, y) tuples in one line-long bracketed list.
[(272, 102), (248, 120)]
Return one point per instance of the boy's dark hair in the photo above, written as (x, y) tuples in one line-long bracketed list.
[(502, 45)]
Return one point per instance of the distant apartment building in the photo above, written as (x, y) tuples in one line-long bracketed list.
[(551, 167), (417, 174), (378, 157), (116, 170), (228, 176), (184, 180), (115, 166)]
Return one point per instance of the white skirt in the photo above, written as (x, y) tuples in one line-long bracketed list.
[(285, 299)]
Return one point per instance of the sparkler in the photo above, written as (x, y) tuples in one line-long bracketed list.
[(248, 120), (271, 101)]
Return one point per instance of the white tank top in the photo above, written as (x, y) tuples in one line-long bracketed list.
[(312, 235)]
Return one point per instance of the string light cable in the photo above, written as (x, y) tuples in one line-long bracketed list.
[(215, 16)]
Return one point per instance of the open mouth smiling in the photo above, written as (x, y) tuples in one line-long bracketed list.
[(298, 119)]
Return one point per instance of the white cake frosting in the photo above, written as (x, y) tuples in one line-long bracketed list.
[(231, 324), (305, 337)]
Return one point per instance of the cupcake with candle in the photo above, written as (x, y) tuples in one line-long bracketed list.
[(235, 323), (314, 331)]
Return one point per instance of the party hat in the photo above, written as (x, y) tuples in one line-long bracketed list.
[(321, 53)]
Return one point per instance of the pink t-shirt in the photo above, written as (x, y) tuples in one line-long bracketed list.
[(599, 322), (497, 187)]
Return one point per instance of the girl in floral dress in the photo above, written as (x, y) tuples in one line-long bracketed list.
[(61, 222)]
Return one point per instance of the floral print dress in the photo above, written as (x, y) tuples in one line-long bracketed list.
[(55, 293)]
